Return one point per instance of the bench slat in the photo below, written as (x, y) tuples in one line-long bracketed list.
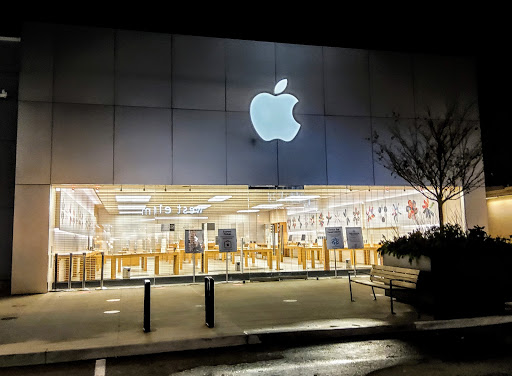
[(396, 269), (370, 283), (385, 286), (385, 281), (396, 275)]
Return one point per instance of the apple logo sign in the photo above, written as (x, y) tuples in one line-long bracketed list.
[(272, 114)]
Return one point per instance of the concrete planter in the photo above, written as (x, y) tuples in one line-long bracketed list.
[(423, 263)]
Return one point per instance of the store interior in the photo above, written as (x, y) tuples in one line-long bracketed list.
[(137, 231)]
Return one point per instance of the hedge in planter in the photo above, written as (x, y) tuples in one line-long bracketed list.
[(469, 268)]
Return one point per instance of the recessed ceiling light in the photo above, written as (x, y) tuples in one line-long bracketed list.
[(127, 198), (202, 206), (131, 212), (267, 206), (298, 198), (182, 217), (219, 198), (248, 211), (131, 207)]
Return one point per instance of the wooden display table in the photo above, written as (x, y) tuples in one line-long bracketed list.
[(214, 253), (132, 259), (308, 253)]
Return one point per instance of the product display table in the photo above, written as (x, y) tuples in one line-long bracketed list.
[(308, 253), (118, 260), (178, 256)]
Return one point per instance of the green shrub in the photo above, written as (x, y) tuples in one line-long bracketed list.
[(451, 243)]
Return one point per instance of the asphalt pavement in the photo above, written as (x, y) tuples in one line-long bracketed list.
[(91, 324)]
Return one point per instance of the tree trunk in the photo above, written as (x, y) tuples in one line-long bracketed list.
[(441, 216)]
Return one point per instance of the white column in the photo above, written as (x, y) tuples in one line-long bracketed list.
[(475, 208), (30, 239)]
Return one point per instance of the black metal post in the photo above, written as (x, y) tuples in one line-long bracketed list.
[(70, 270), (209, 302), (147, 306), (84, 257), (349, 283), (391, 295), (102, 265), (56, 271)]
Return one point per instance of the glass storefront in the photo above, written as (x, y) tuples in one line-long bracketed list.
[(139, 231)]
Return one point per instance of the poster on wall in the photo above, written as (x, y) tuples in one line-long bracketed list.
[(334, 237), (194, 241), (355, 237), (74, 212), (227, 240)]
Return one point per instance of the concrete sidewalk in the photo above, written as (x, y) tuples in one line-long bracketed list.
[(76, 325)]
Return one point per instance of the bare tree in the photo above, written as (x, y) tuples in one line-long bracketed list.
[(440, 158)]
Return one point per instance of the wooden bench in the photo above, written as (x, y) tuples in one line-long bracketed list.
[(388, 278)]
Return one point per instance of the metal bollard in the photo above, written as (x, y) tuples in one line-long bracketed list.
[(56, 272), (84, 255), (102, 265), (147, 306), (209, 302), (70, 270)]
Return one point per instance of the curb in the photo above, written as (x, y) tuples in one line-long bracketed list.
[(253, 337)]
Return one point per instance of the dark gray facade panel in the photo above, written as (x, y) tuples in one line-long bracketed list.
[(34, 143), (36, 80), (7, 162), (250, 70), (6, 221), (10, 57), (8, 118), (440, 80), (467, 81), (84, 65), (303, 160), (198, 74), (142, 146), (250, 160), (303, 67), (199, 147), (392, 88), (82, 148), (383, 175), (143, 69), (211, 79), (349, 150), (346, 81)]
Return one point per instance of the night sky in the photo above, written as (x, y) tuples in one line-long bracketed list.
[(460, 30)]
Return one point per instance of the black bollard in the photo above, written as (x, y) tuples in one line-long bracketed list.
[(147, 306), (209, 302), (56, 272)]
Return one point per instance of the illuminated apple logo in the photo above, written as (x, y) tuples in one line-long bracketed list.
[(272, 115)]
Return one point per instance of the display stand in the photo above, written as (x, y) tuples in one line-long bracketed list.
[(227, 244)]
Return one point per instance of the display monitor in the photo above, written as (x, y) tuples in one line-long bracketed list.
[(303, 237)]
